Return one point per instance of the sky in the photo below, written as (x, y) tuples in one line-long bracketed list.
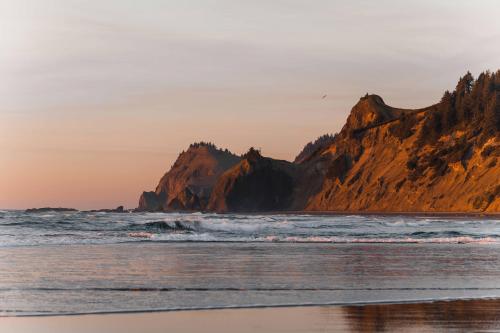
[(97, 98)]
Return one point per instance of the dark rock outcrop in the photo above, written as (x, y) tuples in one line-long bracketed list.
[(150, 202), (118, 209), (255, 184)]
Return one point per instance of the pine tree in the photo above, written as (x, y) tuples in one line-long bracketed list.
[(447, 109), (463, 98), (492, 114)]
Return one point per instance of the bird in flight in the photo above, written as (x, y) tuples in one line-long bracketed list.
[(324, 96)]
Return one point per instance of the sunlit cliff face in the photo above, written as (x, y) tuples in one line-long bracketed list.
[(98, 98)]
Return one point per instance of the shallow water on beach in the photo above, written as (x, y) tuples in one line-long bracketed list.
[(67, 263)]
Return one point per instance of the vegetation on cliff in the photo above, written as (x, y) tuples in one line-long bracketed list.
[(313, 146)]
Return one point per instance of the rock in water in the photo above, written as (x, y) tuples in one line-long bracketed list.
[(149, 201)]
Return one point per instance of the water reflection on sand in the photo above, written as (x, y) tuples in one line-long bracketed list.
[(464, 316), (449, 316)]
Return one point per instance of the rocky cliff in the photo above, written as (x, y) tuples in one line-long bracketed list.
[(385, 159), (439, 158), (188, 184), (256, 183)]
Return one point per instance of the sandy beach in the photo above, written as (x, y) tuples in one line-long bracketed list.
[(466, 316)]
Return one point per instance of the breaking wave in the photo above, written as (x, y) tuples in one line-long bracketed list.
[(21, 228)]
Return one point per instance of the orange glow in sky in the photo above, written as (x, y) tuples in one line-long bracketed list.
[(97, 98)]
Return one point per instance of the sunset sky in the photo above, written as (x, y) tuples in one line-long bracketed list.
[(97, 98)]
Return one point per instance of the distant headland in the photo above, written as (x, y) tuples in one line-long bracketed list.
[(118, 209), (442, 158), (50, 209)]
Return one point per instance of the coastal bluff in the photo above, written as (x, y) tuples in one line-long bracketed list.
[(189, 183), (442, 158)]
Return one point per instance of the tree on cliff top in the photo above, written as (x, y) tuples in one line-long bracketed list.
[(474, 104)]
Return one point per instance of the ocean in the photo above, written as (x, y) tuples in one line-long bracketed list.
[(54, 263)]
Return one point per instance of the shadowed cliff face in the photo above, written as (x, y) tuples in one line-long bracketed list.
[(188, 184), (440, 158), (255, 184)]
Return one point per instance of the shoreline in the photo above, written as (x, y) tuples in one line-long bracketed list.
[(375, 213), (257, 306), (466, 315), (286, 212)]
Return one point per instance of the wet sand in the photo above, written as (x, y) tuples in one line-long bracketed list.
[(456, 316)]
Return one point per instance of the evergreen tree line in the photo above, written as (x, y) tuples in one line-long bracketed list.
[(209, 145), (473, 104), (203, 144)]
